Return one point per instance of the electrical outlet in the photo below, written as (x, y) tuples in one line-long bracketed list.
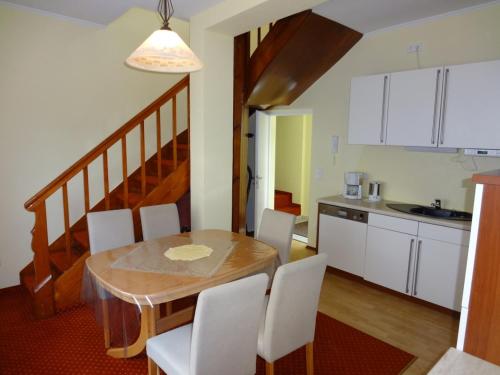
[(415, 47)]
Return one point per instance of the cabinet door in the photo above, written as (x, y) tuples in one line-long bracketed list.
[(344, 241), (414, 102), (389, 257), (367, 109), (439, 272), (471, 110)]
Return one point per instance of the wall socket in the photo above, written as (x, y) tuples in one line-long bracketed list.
[(415, 47)]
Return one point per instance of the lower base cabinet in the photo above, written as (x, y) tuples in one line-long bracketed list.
[(428, 263), (388, 258)]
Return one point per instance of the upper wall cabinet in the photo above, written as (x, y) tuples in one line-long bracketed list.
[(368, 109), (414, 103), (471, 106), (455, 106)]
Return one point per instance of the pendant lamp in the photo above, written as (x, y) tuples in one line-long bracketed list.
[(164, 51)]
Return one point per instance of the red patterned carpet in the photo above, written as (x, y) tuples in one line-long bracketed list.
[(72, 343)]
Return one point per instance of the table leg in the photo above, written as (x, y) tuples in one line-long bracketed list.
[(148, 329)]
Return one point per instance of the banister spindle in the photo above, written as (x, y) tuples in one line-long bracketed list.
[(143, 161), (105, 175), (86, 192), (67, 233), (259, 36), (158, 144), (174, 129), (125, 171)]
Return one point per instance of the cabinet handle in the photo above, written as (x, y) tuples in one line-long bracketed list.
[(409, 263), (417, 261), (383, 111), (433, 136), (443, 107)]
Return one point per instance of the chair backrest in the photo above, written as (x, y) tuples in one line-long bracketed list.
[(290, 319), (159, 221), (276, 230), (110, 229), (225, 327)]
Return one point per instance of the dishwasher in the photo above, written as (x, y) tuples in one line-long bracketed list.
[(342, 236)]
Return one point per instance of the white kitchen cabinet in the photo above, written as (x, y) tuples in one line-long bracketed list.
[(439, 272), (471, 110), (368, 109), (344, 242), (389, 257), (454, 106), (440, 263), (419, 259), (414, 107)]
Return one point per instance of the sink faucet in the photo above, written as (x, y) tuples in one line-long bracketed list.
[(436, 204)]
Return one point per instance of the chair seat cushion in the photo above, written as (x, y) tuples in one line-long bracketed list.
[(171, 350)]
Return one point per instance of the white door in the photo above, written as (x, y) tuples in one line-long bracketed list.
[(389, 258), (344, 241), (440, 272), (471, 110), (367, 109), (414, 102), (265, 143)]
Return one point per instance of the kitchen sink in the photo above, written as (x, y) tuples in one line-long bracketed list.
[(439, 213)]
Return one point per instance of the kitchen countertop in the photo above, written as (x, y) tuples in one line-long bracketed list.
[(455, 362), (382, 209)]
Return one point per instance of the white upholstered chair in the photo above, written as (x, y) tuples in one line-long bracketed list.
[(289, 321), (222, 340), (276, 230), (159, 221), (109, 230)]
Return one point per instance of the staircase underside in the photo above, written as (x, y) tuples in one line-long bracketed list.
[(297, 51)]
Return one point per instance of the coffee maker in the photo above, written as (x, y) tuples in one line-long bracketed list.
[(353, 185)]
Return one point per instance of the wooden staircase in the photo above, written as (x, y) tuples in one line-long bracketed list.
[(283, 202), (54, 276)]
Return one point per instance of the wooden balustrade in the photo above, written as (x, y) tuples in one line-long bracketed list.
[(43, 283)]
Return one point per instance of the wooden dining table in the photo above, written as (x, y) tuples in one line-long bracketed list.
[(148, 290)]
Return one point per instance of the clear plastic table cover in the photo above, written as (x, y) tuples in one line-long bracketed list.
[(132, 286), (149, 256), (124, 319)]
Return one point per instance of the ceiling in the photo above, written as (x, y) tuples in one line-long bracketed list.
[(361, 15)]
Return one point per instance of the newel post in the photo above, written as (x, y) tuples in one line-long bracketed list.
[(43, 287)]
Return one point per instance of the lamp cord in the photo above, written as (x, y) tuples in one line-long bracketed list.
[(165, 9)]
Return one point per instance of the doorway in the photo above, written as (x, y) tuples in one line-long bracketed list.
[(279, 160)]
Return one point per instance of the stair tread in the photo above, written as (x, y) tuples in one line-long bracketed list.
[(60, 259), (292, 209), (82, 238), (133, 198)]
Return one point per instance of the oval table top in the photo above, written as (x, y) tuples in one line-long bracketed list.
[(149, 288)]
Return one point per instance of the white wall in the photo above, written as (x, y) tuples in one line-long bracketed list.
[(64, 88), (407, 176), (212, 33)]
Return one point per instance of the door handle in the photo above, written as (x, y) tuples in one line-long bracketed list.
[(417, 261), (443, 107), (409, 264), (382, 121), (433, 135)]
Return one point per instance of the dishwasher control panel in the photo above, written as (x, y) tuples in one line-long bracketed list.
[(344, 213)]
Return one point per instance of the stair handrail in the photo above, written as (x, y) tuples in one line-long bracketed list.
[(97, 151), (43, 283)]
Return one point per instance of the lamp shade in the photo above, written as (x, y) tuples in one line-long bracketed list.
[(164, 51)]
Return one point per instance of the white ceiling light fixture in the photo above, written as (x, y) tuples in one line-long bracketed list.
[(164, 51)]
